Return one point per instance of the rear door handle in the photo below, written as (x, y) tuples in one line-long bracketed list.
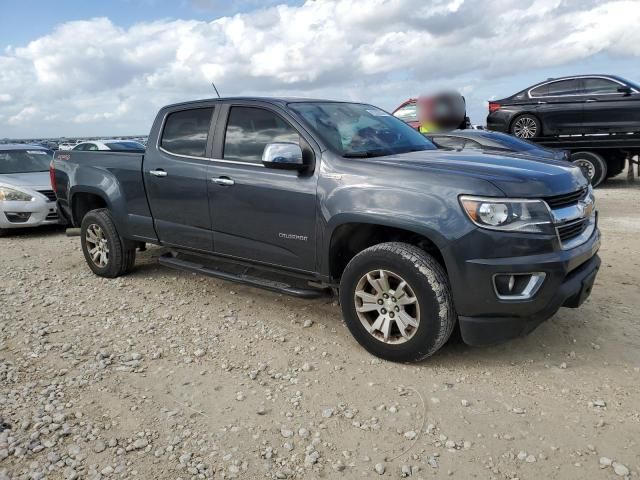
[(158, 173), (225, 181), (541, 103), (591, 100)]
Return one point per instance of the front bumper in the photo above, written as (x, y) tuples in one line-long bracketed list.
[(41, 212), (485, 319)]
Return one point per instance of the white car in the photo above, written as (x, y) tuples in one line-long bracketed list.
[(26, 196), (112, 145)]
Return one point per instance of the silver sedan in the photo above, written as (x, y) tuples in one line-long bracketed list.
[(26, 196)]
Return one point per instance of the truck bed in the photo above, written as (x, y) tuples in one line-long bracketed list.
[(119, 173)]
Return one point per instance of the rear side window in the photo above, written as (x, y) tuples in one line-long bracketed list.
[(563, 87), (250, 129), (186, 132), (599, 86), (540, 91)]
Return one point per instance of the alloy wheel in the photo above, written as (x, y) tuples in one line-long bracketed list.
[(387, 306), (525, 127), (97, 245)]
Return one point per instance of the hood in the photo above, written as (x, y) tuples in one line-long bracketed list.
[(33, 180), (516, 176)]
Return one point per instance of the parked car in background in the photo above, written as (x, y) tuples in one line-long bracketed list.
[(112, 145), (493, 142), (583, 104), (408, 113), (317, 194), (26, 196)]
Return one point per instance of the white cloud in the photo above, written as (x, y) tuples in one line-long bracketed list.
[(94, 77)]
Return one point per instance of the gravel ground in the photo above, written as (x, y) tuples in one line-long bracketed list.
[(166, 375)]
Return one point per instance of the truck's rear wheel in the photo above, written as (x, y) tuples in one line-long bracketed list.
[(106, 253), (396, 302), (593, 166)]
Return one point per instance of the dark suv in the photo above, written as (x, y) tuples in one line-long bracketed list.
[(577, 104)]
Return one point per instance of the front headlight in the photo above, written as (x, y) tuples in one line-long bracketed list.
[(509, 215), (10, 195)]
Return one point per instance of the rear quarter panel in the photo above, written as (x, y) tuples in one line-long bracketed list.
[(113, 176)]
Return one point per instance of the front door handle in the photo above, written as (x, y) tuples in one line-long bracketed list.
[(225, 181), (591, 100), (541, 103), (158, 173)]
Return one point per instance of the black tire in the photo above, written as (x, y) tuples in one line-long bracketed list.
[(429, 284), (121, 254), (615, 164), (593, 166), (526, 126)]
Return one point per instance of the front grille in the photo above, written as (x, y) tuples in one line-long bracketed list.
[(572, 229), (559, 201), (50, 194), (52, 216)]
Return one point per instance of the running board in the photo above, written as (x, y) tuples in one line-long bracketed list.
[(172, 261)]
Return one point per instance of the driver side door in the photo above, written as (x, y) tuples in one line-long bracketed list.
[(257, 213)]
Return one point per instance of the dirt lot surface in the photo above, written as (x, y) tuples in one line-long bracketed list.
[(167, 375)]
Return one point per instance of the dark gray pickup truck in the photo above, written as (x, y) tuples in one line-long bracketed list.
[(299, 196)]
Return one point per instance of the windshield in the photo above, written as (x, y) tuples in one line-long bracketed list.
[(24, 161), (357, 130)]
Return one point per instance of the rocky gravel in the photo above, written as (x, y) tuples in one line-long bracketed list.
[(166, 375)]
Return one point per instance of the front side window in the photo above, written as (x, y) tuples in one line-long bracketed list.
[(599, 86), (359, 130), (408, 113), (186, 131), (250, 129)]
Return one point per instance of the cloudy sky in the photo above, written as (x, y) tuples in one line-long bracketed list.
[(86, 68)]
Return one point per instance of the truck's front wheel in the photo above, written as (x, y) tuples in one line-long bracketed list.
[(396, 302), (106, 253)]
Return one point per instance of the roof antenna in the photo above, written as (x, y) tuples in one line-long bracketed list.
[(214, 87)]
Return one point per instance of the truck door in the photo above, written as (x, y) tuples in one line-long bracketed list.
[(608, 110), (175, 175), (259, 213)]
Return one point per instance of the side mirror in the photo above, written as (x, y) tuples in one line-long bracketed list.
[(624, 89), (283, 155)]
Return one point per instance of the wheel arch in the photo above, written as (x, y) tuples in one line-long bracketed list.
[(85, 200), (355, 234)]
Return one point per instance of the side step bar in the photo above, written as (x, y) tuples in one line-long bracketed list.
[(169, 260)]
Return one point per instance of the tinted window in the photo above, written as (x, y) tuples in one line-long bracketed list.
[(408, 113), (125, 146), (563, 87), (597, 86), (250, 129), (541, 91), (24, 161), (186, 132)]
